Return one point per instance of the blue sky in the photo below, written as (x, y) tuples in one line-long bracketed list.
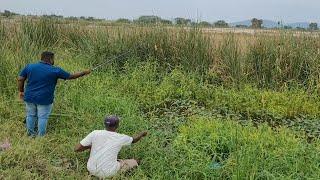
[(209, 10)]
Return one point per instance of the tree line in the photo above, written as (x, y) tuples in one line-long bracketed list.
[(147, 20)]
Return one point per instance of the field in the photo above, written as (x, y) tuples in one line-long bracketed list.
[(216, 105)]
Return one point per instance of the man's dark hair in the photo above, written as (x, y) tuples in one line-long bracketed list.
[(46, 55)]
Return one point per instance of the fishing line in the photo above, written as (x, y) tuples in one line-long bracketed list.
[(108, 60)]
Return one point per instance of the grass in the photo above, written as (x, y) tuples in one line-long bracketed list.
[(204, 98), (245, 152)]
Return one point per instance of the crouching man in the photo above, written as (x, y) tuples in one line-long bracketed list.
[(105, 146)]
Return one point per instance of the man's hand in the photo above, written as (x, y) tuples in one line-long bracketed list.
[(80, 74), (144, 133), (80, 148), (86, 72), (139, 136), (21, 81), (21, 95)]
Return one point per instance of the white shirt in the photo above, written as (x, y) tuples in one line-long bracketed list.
[(105, 146)]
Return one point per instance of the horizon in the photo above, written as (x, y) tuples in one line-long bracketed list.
[(172, 19), (203, 10)]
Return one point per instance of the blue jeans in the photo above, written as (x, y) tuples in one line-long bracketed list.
[(40, 113)]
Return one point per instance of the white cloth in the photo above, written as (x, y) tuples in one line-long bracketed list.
[(105, 146)]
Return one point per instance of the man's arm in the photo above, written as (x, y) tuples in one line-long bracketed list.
[(80, 148), (137, 137), (85, 143), (79, 74), (21, 81)]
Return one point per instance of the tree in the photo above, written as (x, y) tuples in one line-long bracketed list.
[(256, 23), (287, 27), (90, 18), (148, 20), (182, 21), (300, 28), (53, 16), (123, 20), (241, 26), (204, 24), (7, 13), (72, 18), (165, 21), (313, 26), (221, 24), (280, 25)]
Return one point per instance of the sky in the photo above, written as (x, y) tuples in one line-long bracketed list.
[(288, 11)]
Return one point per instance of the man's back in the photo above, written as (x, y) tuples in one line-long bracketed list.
[(105, 146), (42, 79)]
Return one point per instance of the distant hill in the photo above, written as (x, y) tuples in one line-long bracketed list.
[(300, 24), (272, 24), (243, 23)]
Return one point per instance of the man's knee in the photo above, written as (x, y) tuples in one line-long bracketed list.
[(44, 111), (31, 110)]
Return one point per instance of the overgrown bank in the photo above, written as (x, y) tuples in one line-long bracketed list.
[(183, 87)]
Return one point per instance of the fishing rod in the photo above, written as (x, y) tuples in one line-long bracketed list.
[(108, 60)]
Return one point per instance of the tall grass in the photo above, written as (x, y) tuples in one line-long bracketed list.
[(230, 60), (269, 61), (43, 33), (285, 60)]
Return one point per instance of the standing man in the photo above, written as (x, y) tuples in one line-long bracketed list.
[(39, 92), (104, 147)]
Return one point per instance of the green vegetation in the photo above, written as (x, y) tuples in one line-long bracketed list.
[(221, 24), (151, 20), (8, 14), (313, 26), (256, 23), (247, 103), (123, 20), (245, 152)]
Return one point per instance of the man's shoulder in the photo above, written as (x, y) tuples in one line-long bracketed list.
[(33, 64), (96, 132), (99, 132), (56, 67), (41, 63), (108, 133), (119, 134), (38, 63), (123, 136)]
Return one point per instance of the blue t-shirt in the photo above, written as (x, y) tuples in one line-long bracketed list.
[(41, 82)]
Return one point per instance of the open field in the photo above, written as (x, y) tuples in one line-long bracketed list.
[(216, 105)]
